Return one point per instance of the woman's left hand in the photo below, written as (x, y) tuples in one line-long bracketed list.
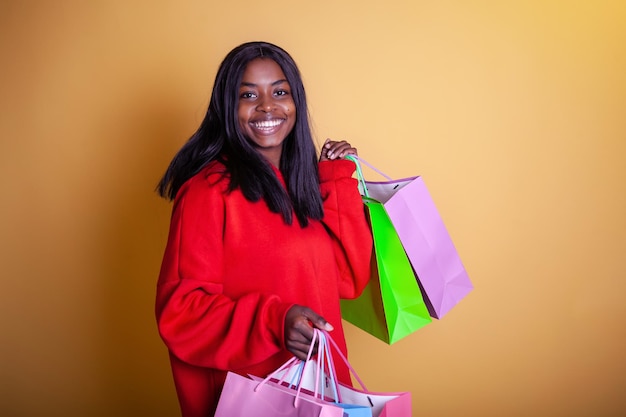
[(336, 150)]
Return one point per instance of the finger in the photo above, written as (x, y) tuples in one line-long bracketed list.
[(300, 351), (347, 151), (340, 150), (325, 147), (334, 145), (317, 321), (299, 341), (333, 150)]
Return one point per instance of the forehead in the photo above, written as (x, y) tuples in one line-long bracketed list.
[(263, 69)]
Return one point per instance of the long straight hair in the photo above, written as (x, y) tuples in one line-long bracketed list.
[(220, 137)]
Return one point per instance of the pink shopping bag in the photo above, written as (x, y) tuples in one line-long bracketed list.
[(244, 397), (382, 404), (269, 397), (426, 241)]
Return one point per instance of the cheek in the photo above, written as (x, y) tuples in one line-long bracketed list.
[(243, 115), (292, 119), (293, 114), (241, 110)]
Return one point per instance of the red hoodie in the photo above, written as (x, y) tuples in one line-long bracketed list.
[(232, 269)]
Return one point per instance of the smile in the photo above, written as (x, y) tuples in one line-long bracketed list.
[(267, 124)]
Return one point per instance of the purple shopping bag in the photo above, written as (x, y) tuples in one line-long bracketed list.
[(426, 241)]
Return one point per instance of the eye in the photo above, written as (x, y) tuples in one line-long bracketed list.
[(247, 95), (282, 93)]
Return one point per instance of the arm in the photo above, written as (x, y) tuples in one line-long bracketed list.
[(345, 219), (199, 324)]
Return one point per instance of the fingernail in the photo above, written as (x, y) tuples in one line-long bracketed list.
[(329, 327)]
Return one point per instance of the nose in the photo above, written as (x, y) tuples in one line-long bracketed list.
[(266, 105)]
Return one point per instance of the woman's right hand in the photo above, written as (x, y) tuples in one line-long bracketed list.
[(299, 324), (332, 150)]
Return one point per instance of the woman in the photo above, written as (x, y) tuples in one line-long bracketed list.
[(264, 240)]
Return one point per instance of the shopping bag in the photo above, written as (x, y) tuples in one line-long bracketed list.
[(391, 306), (390, 404), (396, 404), (349, 410), (313, 388), (425, 239), (244, 397), (326, 375), (252, 396)]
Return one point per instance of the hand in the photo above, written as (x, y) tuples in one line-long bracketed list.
[(299, 324), (336, 150)]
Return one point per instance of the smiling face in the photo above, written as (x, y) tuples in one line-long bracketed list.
[(266, 110)]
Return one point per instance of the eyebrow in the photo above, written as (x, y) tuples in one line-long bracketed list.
[(277, 82)]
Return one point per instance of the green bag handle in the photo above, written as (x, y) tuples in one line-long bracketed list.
[(359, 173)]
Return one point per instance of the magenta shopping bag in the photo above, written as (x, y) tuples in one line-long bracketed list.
[(426, 241)]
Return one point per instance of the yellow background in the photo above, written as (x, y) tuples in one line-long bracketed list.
[(513, 111)]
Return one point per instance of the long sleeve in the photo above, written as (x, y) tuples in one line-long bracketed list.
[(344, 217), (199, 324), (232, 269)]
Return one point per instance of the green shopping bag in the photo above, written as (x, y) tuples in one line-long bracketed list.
[(391, 307)]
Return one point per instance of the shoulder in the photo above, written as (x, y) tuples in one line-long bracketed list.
[(211, 180)]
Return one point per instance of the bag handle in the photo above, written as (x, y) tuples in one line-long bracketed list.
[(331, 368), (343, 358), (356, 159), (325, 359), (321, 361), (324, 337), (359, 172), (288, 365), (284, 367)]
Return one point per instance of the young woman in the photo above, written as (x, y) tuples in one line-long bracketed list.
[(264, 238)]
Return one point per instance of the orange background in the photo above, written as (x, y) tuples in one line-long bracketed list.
[(514, 113)]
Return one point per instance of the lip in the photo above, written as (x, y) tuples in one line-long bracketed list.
[(267, 126)]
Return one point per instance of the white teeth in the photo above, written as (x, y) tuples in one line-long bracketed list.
[(267, 124)]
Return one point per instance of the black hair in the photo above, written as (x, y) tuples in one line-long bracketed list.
[(220, 137)]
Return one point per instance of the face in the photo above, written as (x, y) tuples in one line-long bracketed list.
[(266, 111)]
